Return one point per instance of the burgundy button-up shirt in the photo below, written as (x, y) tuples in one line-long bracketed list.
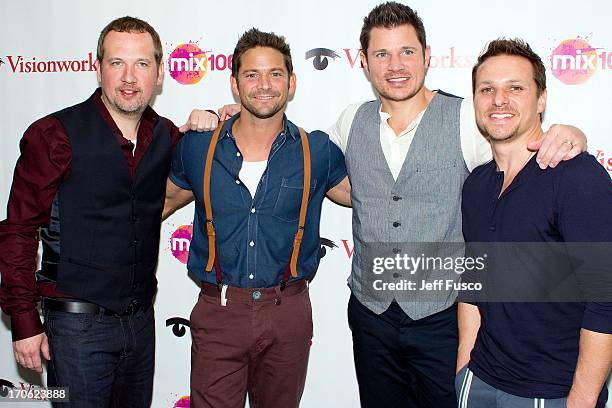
[(42, 166)]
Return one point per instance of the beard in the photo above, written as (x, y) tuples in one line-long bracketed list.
[(497, 135), (131, 108), (266, 111)]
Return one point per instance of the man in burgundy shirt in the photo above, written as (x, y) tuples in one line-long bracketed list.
[(99, 170)]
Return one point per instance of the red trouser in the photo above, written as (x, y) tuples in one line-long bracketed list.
[(258, 343)]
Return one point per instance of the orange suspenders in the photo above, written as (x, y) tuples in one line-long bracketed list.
[(213, 258)]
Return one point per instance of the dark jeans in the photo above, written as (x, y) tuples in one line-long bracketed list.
[(105, 361), (402, 362)]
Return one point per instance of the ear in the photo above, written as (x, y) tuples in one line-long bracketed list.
[(292, 84), (542, 101), (364, 60), (234, 85), (98, 73), (160, 73), (427, 56)]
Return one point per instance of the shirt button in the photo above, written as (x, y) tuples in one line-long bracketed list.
[(253, 210), (396, 250), (256, 295), (397, 224), (237, 154), (251, 276), (251, 243), (237, 181), (492, 228), (396, 198)]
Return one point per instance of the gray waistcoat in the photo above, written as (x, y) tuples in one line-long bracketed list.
[(422, 205)]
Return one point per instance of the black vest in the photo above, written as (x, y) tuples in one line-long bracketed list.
[(105, 226)]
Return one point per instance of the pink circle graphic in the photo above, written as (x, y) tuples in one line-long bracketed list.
[(183, 402), (188, 64), (574, 61), (180, 240)]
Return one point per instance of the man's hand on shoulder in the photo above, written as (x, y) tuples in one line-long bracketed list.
[(27, 351), (227, 111), (201, 121), (560, 142)]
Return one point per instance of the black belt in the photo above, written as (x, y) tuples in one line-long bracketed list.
[(78, 306)]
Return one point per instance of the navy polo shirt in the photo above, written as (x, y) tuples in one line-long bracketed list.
[(255, 234), (531, 349)]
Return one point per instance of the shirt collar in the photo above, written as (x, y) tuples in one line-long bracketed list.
[(288, 128), (384, 116), (149, 116)]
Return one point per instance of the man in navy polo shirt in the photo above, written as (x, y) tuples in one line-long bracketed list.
[(537, 354), (252, 327)]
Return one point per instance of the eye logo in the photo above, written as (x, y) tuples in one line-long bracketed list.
[(326, 243), (188, 64), (5, 385), (180, 240), (178, 325), (319, 56), (574, 61)]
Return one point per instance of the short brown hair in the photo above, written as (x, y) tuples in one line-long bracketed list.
[(516, 47), (254, 38), (391, 15), (130, 25)]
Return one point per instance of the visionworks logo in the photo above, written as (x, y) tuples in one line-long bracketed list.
[(321, 58), (575, 61), (188, 64), (19, 64)]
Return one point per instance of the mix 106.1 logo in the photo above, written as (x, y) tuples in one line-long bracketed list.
[(575, 61), (188, 63), (180, 240)]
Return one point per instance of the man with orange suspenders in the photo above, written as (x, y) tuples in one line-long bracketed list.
[(259, 182)]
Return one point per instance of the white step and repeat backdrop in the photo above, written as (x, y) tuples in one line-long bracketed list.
[(35, 33)]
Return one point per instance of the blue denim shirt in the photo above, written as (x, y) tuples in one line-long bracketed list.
[(255, 234)]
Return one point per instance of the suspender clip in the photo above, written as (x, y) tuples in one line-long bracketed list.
[(223, 295)]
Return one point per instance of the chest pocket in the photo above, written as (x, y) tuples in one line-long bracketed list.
[(287, 207)]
